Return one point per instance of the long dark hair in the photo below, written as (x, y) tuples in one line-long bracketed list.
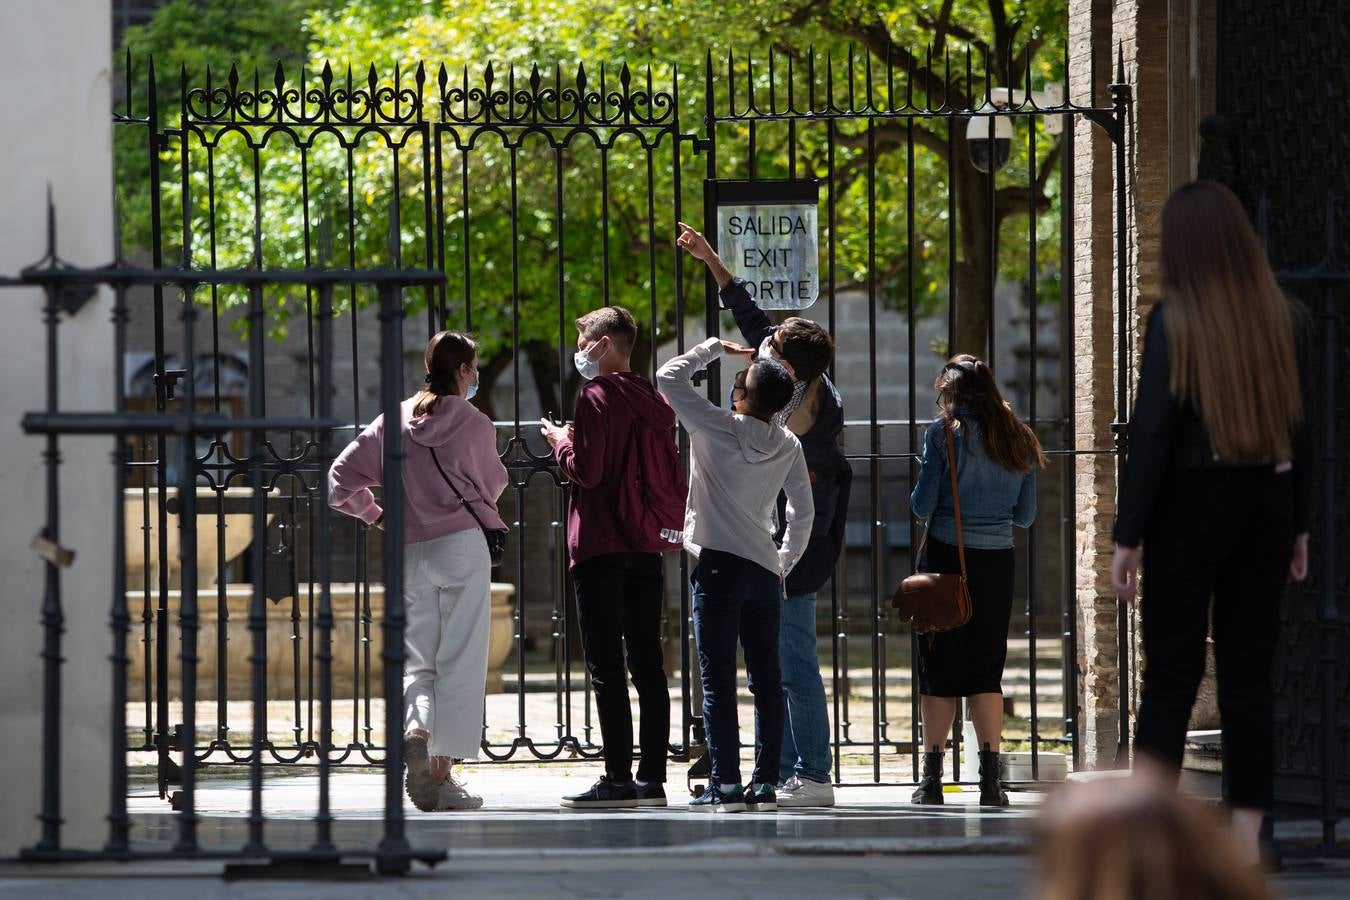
[(446, 352), (1230, 333), (967, 382)]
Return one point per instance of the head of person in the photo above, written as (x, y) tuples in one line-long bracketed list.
[(452, 369), (1230, 330), (761, 389), (803, 347), (1135, 839), (605, 339), (966, 389)]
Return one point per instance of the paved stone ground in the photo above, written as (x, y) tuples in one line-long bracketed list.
[(521, 844)]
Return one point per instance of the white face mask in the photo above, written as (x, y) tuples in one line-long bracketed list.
[(586, 367), (765, 350)]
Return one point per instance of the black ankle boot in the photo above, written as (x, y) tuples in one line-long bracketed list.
[(929, 791), (991, 790)]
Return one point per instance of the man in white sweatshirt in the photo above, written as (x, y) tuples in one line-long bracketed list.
[(740, 462)]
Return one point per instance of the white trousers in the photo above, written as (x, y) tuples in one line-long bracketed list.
[(447, 597)]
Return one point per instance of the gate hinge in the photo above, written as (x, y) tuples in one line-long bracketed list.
[(700, 144), (166, 381)]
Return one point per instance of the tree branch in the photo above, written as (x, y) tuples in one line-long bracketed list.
[(891, 136), (998, 14), (875, 37), (944, 24), (943, 27)]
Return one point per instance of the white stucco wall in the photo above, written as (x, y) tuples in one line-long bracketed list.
[(54, 58)]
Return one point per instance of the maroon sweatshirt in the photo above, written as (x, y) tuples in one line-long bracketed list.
[(593, 459)]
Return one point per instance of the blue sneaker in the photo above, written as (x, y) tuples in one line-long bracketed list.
[(761, 798), (713, 800)]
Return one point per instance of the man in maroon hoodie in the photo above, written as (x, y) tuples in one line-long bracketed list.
[(619, 591)]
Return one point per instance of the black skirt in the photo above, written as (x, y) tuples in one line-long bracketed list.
[(969, 660)]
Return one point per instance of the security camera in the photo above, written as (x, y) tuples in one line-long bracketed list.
[(986, 154), (990, 152)]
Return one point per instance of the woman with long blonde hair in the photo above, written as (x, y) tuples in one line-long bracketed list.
[(1216, 490)]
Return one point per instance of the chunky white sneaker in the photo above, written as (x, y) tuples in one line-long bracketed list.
[(796, 792), (453, 794), (419, 784)]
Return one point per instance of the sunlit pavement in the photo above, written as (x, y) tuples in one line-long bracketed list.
[(873, 843)]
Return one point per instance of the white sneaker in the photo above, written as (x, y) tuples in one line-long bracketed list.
[(453, 794), (796, 792)]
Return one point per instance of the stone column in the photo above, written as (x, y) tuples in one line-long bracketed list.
[(55, 57)]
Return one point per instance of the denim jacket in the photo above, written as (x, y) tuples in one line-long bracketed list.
[(993, 499)]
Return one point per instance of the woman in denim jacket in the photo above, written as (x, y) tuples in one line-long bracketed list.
[(996, 460)]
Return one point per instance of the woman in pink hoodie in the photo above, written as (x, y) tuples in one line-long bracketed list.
[(446, 566)]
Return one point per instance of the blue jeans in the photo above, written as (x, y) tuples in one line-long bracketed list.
[(806, 723), (735, 598)]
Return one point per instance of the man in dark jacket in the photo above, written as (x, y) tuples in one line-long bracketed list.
[(816, 416), (619, 590)]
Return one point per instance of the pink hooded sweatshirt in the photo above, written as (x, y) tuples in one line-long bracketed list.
[(466, 445)]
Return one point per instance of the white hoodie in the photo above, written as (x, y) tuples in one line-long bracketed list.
[(738, 466)]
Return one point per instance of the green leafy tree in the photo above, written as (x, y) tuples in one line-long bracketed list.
[(378, 214)]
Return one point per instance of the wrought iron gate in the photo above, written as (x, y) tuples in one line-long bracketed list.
[(355, 195)]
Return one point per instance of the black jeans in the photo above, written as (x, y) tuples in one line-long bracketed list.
[(1225, 535), (735, 598), (619, 599)]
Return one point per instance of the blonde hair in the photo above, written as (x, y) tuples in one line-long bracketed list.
[(1134, 839), (1230, 330)]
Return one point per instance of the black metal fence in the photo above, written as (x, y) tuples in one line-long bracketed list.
[(297, 210)]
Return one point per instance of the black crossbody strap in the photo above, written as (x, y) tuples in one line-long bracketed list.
[(455, 489)]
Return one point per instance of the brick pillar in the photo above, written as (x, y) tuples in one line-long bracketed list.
[(1138, 31), (1093, 388)]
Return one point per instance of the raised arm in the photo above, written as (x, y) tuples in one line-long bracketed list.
[(675, 381), (358, 468), (751, 320)]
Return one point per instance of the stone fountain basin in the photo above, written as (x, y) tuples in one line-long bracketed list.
[(142, 517), (356, 631)]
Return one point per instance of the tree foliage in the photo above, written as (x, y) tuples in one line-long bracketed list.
[(364, 202)]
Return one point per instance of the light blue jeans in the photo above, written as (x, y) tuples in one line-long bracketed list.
[(806, 722)]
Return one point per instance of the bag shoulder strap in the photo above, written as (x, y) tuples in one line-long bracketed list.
[(470, 508), (956, 499)]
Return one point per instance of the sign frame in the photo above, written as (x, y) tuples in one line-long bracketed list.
[(720, 193)]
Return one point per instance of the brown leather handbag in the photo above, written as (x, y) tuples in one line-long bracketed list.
[(933, 602)]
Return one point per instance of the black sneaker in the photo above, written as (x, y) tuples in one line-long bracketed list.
[(761, 798), (653, 793), (605, 794), (713, 800)]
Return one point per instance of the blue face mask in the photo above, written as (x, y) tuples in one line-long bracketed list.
[(586, 367), (472, 392)]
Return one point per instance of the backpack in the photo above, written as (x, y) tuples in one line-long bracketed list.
[(653, 491)]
